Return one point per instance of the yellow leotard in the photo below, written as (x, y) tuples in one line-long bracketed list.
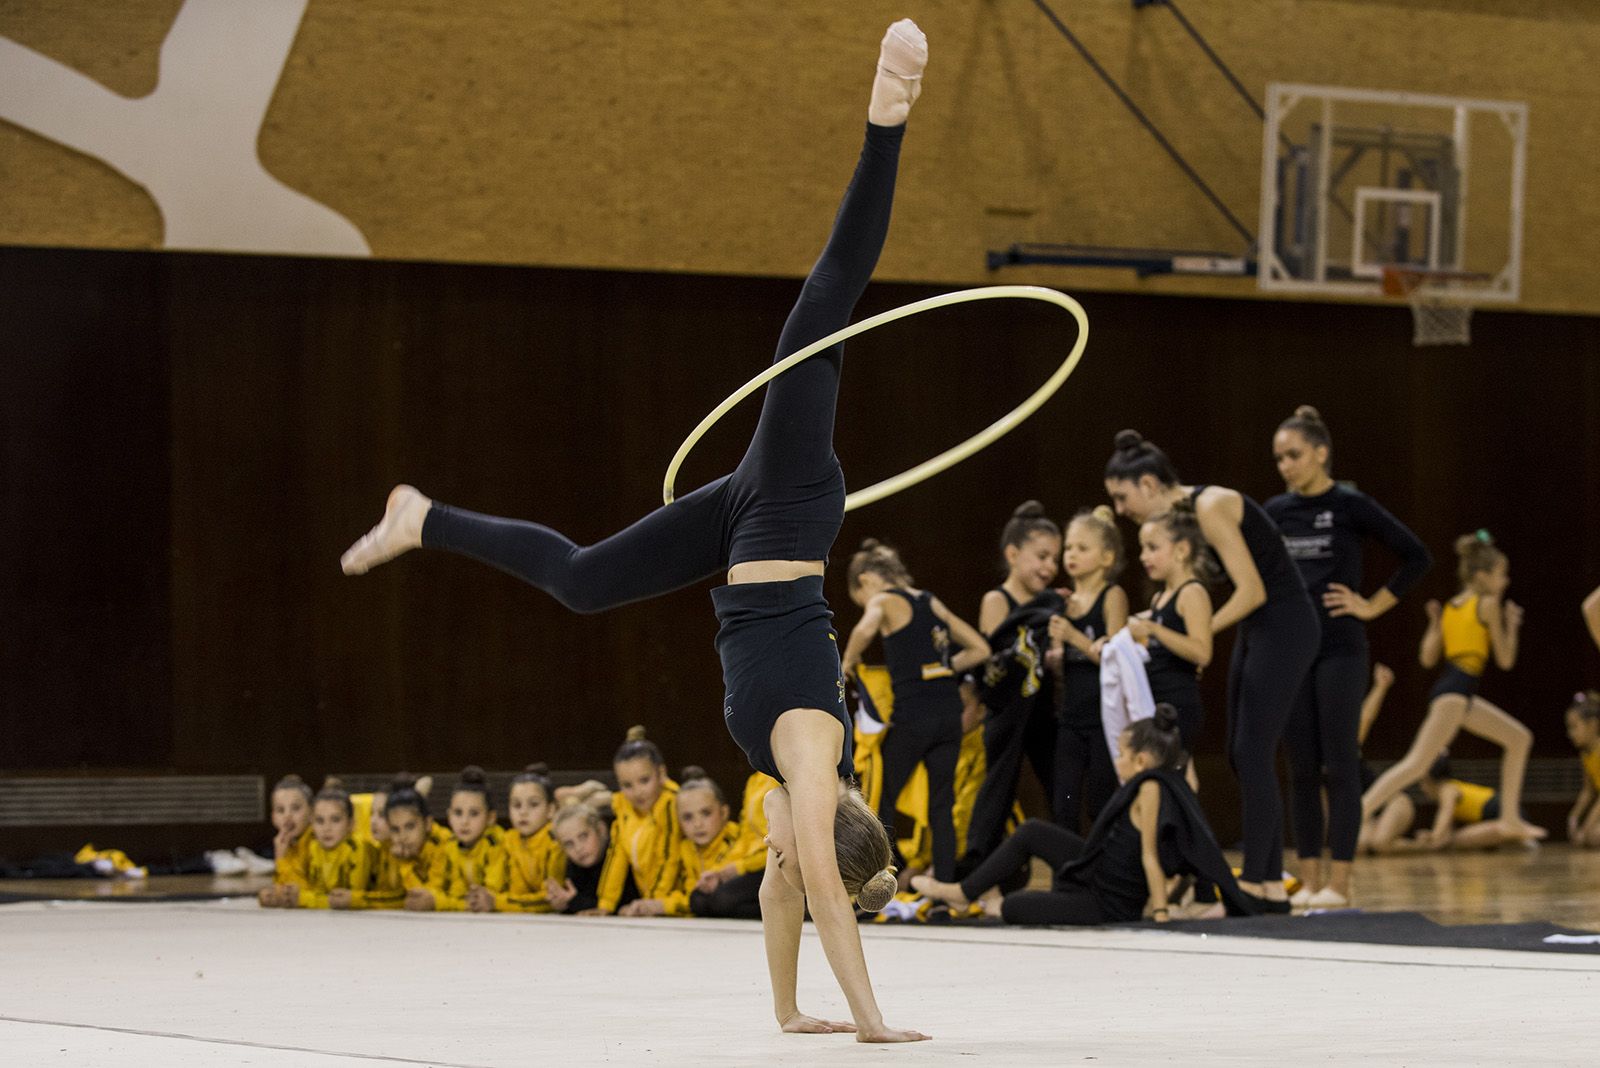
[(1469, 809), (1466, 639), (1591, 764)]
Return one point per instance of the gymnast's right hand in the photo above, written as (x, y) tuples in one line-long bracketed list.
[(884, 1033)]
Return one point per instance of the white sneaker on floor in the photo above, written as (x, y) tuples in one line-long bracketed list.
[(254, 862), (1301, 897), (225, 863), (1328, 898)]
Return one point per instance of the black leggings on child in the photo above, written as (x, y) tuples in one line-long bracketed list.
[(936, 747), (1066, 904)]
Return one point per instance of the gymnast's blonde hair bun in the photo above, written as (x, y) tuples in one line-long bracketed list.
[(878, 891)]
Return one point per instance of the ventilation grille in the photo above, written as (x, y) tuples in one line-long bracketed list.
[(119, 802)]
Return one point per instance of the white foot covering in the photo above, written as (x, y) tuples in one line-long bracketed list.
[(399, 531), (1328, 898), (901, 59)]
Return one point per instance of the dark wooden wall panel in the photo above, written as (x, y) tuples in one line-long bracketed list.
[(196, 438)]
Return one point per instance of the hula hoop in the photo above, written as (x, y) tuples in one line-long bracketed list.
[(950, 457)]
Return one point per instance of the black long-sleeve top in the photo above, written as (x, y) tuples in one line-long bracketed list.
[(1325, 535)]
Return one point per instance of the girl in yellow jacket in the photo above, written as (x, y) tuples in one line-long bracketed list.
[(645, 826), (291, 822), (591, 850), (476, 859), (730, 889), (532, 851), (710, 842), (337, 865)]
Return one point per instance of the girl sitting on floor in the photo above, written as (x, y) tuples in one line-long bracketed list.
[(1151, 829), (1583, 728)]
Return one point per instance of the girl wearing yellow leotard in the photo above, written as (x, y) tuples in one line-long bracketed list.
[(1477, 624), (1583, 729)]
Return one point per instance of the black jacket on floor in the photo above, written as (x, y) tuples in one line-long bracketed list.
[(1186, 843)]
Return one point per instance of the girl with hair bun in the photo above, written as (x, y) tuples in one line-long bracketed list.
[(1150, 830), (1278, 635), (475, 864), (291, 842), (1477, 624), (768, 526), (1092, 557), (532, 854), (919, 635), (731, 890), (339, 866), (645, 824), (1325, 524), (1015, 686), (1177, 628)]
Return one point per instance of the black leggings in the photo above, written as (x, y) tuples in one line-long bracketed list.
[(1085, 777), (1322, 739), (1027, 724), (1271, 657), (1067, 904), (785, 500), (937, 748), (738, 898)]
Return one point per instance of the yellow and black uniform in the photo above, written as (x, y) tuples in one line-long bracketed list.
[(1466, 649), (347, 866), (291, 868), (1591, 766), (1475, 803), (683, 871), (387, 887), (484, 864), (361, 818), (427, 867), (750, 855), (532, 860), (589, 880), (641, 844)]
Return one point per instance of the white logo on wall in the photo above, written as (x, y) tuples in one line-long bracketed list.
[(191, 144)]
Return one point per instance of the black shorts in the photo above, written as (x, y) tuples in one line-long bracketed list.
[(1454, 680), (779, 651)]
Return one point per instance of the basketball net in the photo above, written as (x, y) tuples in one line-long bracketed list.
[(1441, 309)]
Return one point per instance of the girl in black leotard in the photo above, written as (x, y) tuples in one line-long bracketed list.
[(769, 525), (1096, 608), (1015, 686), (1177, 627), (918, 634), (1325, 525), (1118, 874), (1278, 635)]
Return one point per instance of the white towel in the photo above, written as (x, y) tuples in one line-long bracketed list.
[(1124, 687)]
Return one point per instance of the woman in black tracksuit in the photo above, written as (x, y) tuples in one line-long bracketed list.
[(1325, 526)]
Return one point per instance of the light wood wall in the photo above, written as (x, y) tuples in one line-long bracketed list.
[(713, 137)]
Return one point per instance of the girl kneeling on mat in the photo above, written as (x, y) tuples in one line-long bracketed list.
[(1151, 828)]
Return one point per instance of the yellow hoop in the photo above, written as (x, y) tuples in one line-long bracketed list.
[(950, 457)]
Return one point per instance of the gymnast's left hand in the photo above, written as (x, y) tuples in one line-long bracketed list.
[(801, 1024)]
